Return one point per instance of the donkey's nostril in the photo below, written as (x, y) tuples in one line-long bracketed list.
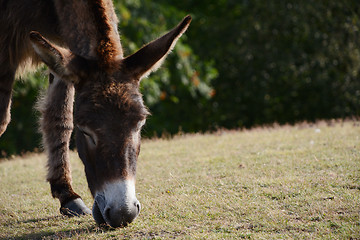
[(138, 207), (107, 214)]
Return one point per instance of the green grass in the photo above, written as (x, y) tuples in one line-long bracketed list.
[(300, 182)]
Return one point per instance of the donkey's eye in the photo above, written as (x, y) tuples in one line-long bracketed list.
[(90, 137)]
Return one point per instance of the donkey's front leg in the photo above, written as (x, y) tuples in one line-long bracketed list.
[(57, 125)]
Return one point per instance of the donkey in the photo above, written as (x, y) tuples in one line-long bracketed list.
[(80, 44)]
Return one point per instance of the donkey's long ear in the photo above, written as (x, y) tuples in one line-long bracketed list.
[(53, 57), (150, 57)]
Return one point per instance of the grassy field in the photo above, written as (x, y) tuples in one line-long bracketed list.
[(300, 182)]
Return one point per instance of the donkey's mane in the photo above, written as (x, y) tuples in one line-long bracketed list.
[(106, 50)]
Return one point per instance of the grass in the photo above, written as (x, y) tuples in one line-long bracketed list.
[(300, 182)]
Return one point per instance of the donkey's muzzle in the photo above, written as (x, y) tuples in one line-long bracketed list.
[(115, 215), (121, 217)]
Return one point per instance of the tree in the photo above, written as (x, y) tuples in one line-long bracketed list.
[(279, 61)]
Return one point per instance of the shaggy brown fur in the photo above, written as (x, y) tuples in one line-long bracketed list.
[(91, 29), (57, 124), (79, 42), (49, 18)]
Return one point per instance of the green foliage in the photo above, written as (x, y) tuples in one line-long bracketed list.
[(279, 61), (22, 133), (240, 64)]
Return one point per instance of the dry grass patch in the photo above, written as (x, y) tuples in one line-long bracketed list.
[(267, 183)]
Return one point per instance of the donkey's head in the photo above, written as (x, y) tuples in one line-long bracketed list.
[(109, 114)]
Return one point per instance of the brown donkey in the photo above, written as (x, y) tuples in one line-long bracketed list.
[(86, 60)]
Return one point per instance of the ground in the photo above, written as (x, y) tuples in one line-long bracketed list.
[(288, 182)]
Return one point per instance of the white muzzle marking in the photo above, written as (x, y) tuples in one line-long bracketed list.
[(120, 194), (117, 203)]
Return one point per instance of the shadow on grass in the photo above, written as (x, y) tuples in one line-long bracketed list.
[(53, 234), (47, 234), (35, 220), (82, 232)]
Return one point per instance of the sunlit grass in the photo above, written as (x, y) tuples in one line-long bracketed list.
[(267, 183)]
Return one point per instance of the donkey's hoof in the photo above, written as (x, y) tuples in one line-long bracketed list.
[(75, 207)]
